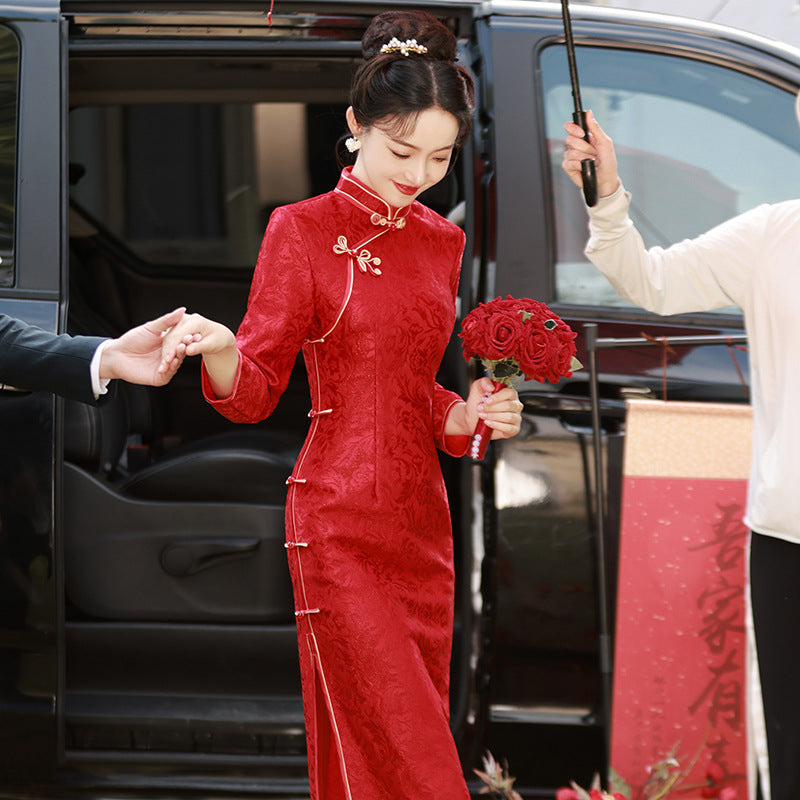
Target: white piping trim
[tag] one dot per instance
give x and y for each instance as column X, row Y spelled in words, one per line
column 361, row 187
column 314, row 652
column 357, row 202
column 358, row 247
column 349, row 291
column 345, row 303
column 444, row 433
column 331, row 715
column 372, row 238
column 298, row 467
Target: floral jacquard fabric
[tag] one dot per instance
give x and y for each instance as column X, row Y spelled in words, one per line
column 368, row 293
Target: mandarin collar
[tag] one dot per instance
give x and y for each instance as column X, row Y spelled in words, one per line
column 360, row 195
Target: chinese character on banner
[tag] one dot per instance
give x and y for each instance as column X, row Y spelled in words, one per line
column 680, row 645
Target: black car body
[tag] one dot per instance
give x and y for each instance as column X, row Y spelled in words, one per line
column 147, row 643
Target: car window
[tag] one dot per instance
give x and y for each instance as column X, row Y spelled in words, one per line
column 193, row 184
column 697, row 143
column 9, row 91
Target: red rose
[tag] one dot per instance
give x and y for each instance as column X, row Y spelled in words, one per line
column 504, row 329
column 566, row 794
column 548, row 347
column 490, row 331
column 473, row 332
column 523, row 332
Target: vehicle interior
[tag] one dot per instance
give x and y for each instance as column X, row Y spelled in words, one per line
column 180, row 631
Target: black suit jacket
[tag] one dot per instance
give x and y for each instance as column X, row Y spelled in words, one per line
column 33, row 359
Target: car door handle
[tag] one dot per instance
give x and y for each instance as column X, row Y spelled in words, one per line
column 12, row 390
column 190, row 556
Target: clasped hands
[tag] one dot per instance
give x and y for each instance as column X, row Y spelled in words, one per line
column 196, row 335
column 136, row 355
column 152, row 352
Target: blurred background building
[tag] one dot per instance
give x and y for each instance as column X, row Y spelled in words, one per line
column 779, row 19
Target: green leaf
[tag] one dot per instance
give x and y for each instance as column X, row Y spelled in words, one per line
column 505, row 369
column 617, row 783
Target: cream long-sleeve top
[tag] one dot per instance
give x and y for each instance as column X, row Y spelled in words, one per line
column 751, row 261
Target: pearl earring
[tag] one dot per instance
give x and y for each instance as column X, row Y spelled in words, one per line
column 352, row 144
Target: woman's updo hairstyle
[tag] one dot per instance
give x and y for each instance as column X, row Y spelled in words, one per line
column 393, row 89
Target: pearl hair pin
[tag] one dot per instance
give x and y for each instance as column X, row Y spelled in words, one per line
column 394, row 45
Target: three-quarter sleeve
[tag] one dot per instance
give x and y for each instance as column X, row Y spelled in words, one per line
column 280, row 314
column 444, row 401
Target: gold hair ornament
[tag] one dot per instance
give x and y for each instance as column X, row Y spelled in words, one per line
column 394, row 45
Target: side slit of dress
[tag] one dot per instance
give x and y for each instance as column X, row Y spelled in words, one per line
column 330, row 771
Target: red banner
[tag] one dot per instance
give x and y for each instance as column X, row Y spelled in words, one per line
column 680, row 645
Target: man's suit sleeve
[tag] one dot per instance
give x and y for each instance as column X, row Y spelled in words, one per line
column 33, row 359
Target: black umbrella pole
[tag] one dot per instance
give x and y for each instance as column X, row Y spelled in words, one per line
column 588, row 175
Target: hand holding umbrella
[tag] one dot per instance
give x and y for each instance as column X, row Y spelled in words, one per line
column 579, row 116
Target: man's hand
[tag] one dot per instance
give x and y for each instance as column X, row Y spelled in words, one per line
column 136, row 355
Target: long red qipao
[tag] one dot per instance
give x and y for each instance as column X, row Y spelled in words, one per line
column 368, row 292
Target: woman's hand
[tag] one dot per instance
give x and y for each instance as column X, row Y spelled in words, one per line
column 196, row 335
column 136, row 355
column 501, row 411
column 600, row 148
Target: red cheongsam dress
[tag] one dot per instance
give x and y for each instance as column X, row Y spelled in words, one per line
column 368, row 292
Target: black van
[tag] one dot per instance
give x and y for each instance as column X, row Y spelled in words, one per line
column 147, row 641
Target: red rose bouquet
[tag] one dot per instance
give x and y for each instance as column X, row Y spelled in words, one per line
column 516, row 337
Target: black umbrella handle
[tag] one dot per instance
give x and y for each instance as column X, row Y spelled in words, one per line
column 588, row 174
column 579, row 117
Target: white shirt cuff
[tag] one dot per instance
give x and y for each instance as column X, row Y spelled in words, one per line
column 99, row 385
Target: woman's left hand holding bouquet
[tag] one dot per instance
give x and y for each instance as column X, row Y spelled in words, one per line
column 500, row 410
column 196, row 335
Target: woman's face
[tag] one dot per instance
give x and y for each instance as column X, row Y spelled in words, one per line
column 401, row 165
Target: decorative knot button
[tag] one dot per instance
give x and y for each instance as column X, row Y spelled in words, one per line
column 365, row 259
column 378, row 219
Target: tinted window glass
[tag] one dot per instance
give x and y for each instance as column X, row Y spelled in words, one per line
column 9, row 74
column 696, row 144
column 193, row 184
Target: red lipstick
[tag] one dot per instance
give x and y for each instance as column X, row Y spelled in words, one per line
column 407, row 190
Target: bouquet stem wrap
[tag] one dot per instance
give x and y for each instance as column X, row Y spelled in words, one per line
column 482, row 434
